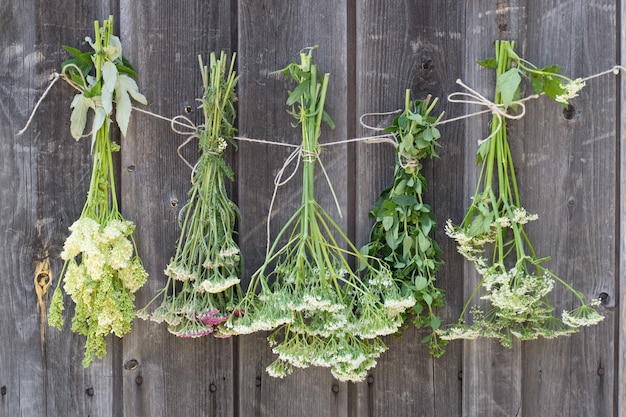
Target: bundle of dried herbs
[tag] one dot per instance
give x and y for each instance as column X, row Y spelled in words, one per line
column 203, row 275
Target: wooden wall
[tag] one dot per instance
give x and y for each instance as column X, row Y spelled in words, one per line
column 570, row 168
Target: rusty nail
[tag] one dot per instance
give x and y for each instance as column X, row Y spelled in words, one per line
column 335, row 388
column 89, row 391
column 139, row 380
column 600, row 371
column 370, row 379
column 212, row 388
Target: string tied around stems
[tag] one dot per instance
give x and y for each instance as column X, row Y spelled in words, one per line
column 472, row 96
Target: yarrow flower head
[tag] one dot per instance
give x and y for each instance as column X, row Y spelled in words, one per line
column 571, row 90
column 515, row 284
column 203, row 289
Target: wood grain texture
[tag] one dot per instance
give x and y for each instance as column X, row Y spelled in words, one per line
column 492, row 374
column 271, row 36
column 40, row 367
column 163, row 40
column 419, row 48
column 573, row 162
column 570, row 171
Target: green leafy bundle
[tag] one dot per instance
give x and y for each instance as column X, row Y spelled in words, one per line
column 321, row 312
column 203, row 276
column 401, row 235
column 516, row 285
column 101, row 272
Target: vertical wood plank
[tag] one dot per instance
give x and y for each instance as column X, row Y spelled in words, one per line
column 567, row 172
column 271, row 36
column 415, row 47
column 171, row 376
column 45, row 175
column 492, row 374
column 620, row 343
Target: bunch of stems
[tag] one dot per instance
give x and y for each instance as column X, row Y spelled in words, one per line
column 101, row 271
column 204, row 274
column 401, row 235
column 514, row 281
column 320, row 311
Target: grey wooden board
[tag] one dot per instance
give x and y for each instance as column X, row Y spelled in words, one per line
column 420, row 49
column 570, row 173
column 270, row 37
column 163, row 40
column 40, row 369
column 577, row 162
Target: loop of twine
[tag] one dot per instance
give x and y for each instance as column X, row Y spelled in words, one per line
column 498, row 110
column 469, row 97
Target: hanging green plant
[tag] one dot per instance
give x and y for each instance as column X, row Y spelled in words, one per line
column 102, row 270
column 515, row 284
column 203, row 275
column 321, row 312
column 401, row 235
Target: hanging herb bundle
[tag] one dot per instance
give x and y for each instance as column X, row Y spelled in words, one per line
column 203, row 276
column 102, row 271
column 515, row 284
column 401, row 234
column 320, row 311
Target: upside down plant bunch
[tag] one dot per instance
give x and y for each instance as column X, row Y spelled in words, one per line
column 102, row 270
column 401, row 235
column 203, row 276
column 320, row 311
column 515, row 284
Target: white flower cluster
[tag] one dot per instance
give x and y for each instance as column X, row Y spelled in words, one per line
column 571, row 90
column 515, row 292
column 103, row 251
column 217, row 286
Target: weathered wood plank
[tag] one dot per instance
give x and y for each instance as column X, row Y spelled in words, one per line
column 492, row 375
column 45, row 175
column 620, row 244
column 414, row 46
column 172, row 376
column 567, row 172
column 271, row 36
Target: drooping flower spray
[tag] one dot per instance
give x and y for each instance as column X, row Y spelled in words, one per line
column 320, row 311
column 102, row 270
column 202, row 288
column 514, row 281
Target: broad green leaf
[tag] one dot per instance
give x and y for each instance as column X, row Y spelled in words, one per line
column 420, row 283
column 507, row 84
column 435, row 322
column 406, row 246
column 428, row 299
column 405, row 200
column 387, row 222
column 488, row 63
column 424, row 242
column 552, row 87
column 537, row 82
column 80, row 106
